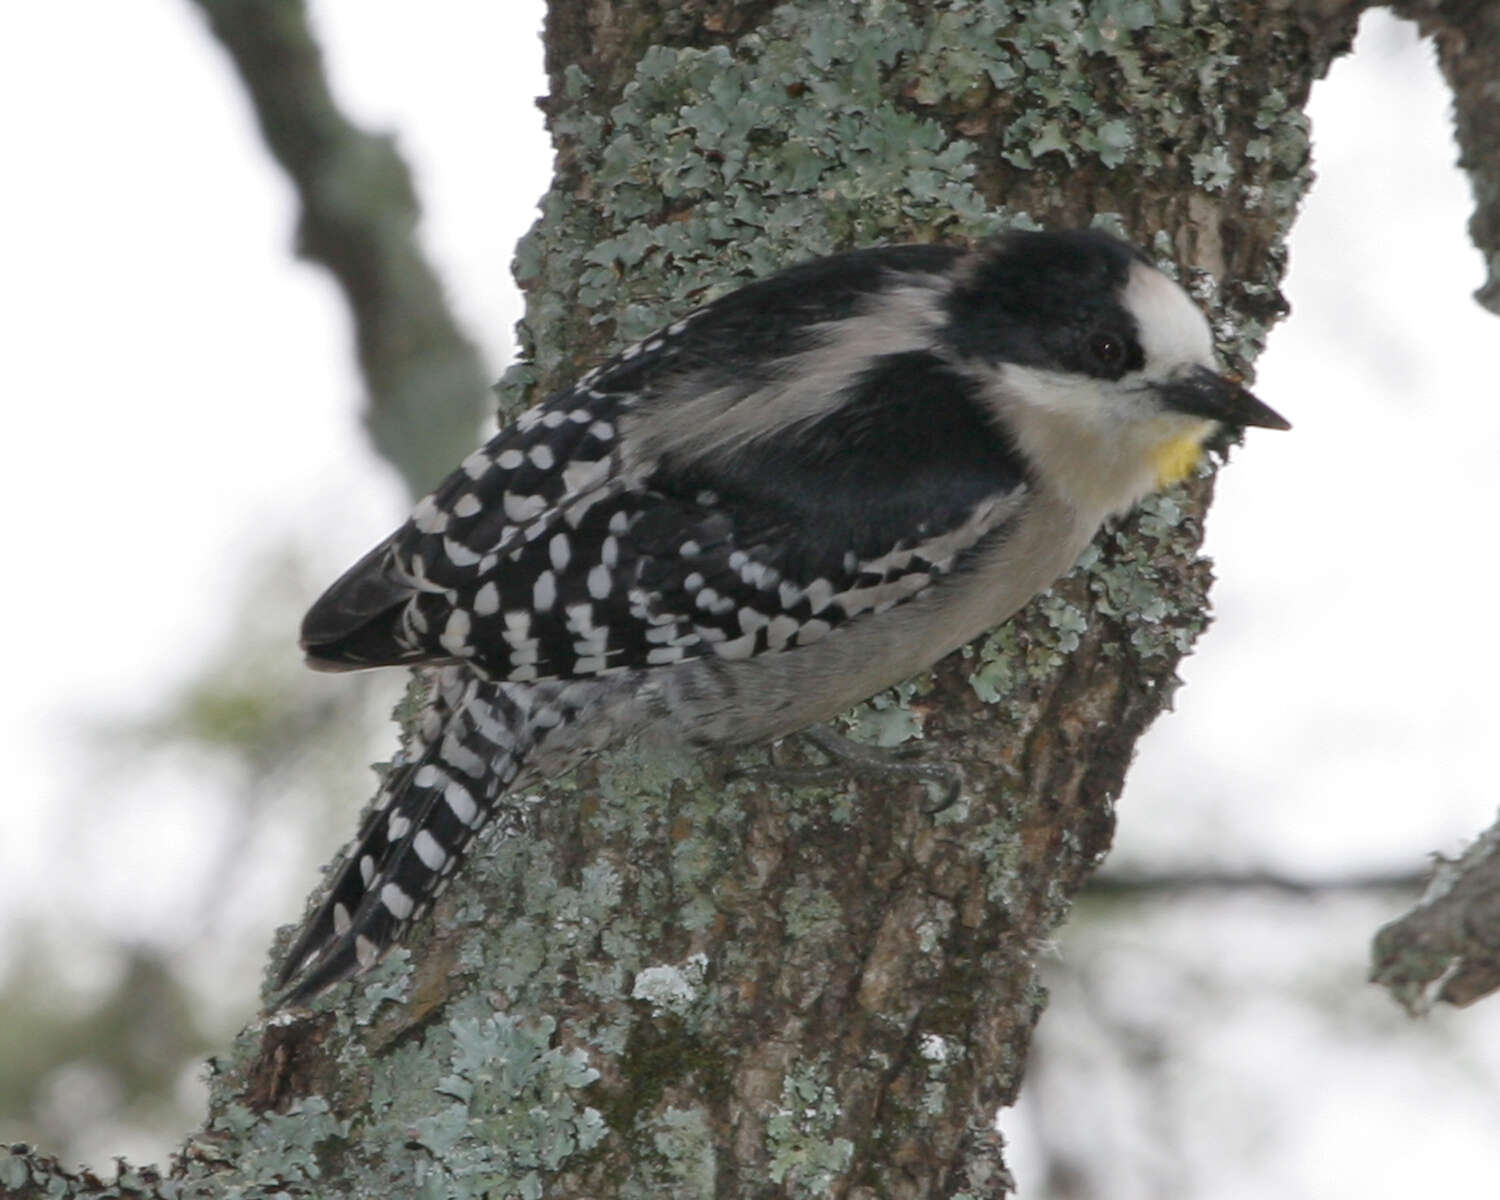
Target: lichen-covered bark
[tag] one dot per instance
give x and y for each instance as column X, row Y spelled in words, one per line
column 1447, row 948
column 682, row 983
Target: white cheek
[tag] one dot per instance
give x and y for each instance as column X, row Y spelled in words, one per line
column 1173, row 330
column 1087, row 405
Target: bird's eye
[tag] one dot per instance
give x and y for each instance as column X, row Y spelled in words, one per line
column 1107, row 350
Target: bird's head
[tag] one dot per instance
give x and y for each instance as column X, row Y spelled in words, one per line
column 1100, row 366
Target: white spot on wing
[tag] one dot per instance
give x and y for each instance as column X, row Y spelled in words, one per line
column 397, row 901
column 455, row 636
column 523, row 508
column 457, row 798
column 428, row 517
column 737, row 648
column 544, row 592
column 433, row 856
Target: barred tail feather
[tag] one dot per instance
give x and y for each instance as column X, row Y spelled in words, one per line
column 426, row 817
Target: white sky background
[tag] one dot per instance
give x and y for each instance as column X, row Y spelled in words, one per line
column 181, row 397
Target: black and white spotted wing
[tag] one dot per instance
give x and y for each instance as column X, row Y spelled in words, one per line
column 549, row 559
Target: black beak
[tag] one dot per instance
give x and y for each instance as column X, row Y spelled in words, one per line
column 1204, row 393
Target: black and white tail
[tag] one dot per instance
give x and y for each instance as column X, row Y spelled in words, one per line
column 473, row 740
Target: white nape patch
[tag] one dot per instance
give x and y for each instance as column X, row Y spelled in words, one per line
column 1173, row 330
column 433, row 856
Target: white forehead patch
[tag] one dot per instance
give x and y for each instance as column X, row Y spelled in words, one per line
column 1173, row 330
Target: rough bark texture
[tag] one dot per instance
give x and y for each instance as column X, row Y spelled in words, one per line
column 1447, row 948
column 679, row 983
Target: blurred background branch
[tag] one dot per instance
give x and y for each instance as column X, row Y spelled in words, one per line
column 426, row 381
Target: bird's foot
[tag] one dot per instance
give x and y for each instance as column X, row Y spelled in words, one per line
column 853, row 760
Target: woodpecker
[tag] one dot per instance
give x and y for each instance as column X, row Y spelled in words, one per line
column 796, row 496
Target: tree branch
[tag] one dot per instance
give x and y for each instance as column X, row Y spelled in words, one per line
column 1127, row 885
column 427, row 384
column 1447, row 948
column 1467, row 36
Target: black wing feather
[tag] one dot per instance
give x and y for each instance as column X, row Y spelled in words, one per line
column 545, row 557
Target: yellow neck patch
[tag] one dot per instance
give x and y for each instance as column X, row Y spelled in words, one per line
column 1177, row 458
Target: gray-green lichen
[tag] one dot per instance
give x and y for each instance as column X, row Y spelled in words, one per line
column 728, row 162
column 837, row 123
column 805, row 1157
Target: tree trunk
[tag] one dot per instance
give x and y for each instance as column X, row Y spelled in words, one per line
column 676, row 982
